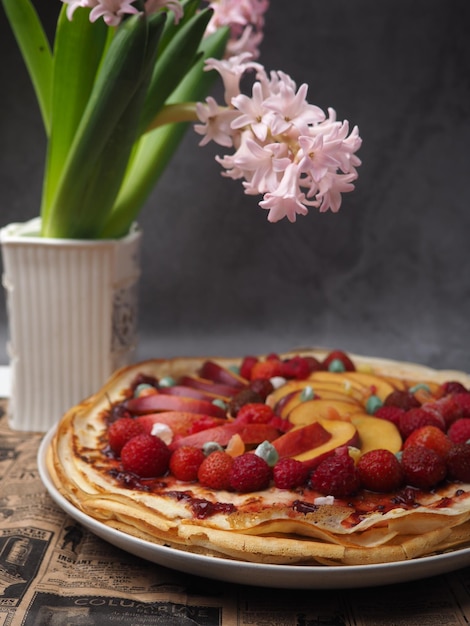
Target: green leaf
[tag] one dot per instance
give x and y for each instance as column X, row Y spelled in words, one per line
column 174, row 63
column 189, row 9
column 78, row 50
column 104, row 139
column 156, row 148
column 35, row 49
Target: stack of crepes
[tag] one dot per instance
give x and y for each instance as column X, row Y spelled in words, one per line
column 297, row 526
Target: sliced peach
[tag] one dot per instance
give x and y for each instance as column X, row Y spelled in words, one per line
column 315, row 410
column 209, row 386
column 250, row 434
column 299, row 440
column 398, row 383
column 256, row 433
column 191, row 392
column 219, row 374
column 319, row 388
column 374, row 383
column 323, row 395
column 336, row 380
column 375, row 433
column 342, row 434
column 166, row 402
column 180, row 423
column 290, row 387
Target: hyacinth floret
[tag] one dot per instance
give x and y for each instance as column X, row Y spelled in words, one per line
column 245, row 18
column 130, row 84
column 113, row 11
column 285, row 148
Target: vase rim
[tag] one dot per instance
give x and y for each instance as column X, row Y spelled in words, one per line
column 29, row 233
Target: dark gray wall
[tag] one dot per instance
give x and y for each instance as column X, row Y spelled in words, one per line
column 388, row 275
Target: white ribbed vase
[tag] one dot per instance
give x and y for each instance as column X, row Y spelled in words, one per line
column 72, row 313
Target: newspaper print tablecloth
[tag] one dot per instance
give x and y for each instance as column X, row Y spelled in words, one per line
column 53, row 572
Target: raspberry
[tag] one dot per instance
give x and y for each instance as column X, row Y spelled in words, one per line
column 262, row 386
column 121, row 431
column 342, row 357
column 297, row 367
column 403, row 399
column 389, row 413
column 145, row 455
column 314, row 364
column 244, row 396
column 416, row 418
column 453, row 386
column 458, row 462
column 247, row 365
column 290, row 473
column 215, row 469
column 459, row 432
column 336, row 476
column 423, row 467
column 380, row 470
column 266, row 369
column 185, row 463
column 463, row 400
column 249, row 472
column 255, row 413
column 430, row 437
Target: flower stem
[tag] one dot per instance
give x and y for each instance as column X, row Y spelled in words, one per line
column 172, row 113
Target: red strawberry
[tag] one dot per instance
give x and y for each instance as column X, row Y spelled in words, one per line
column 266, row 369
column 297, row 367
column 255, row 413
column 446, row 408
column 336, row 476
column 380, row 470
column 423, row 467
column 389, row 413
column 458, row 462
column 247, row 365
column 430, row 437
column 416, row 418
column 121, row 431
column 214, row 471
column 185, row 463
column 459, row 432
column 249, row 472
column 290, row 473
column 342, row 357
column 145, row 455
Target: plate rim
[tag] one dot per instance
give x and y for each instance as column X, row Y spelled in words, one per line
column 239, row 572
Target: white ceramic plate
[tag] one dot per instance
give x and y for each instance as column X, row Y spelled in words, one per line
column 241, row 572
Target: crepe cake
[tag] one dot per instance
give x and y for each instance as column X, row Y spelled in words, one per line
column 308, row 457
